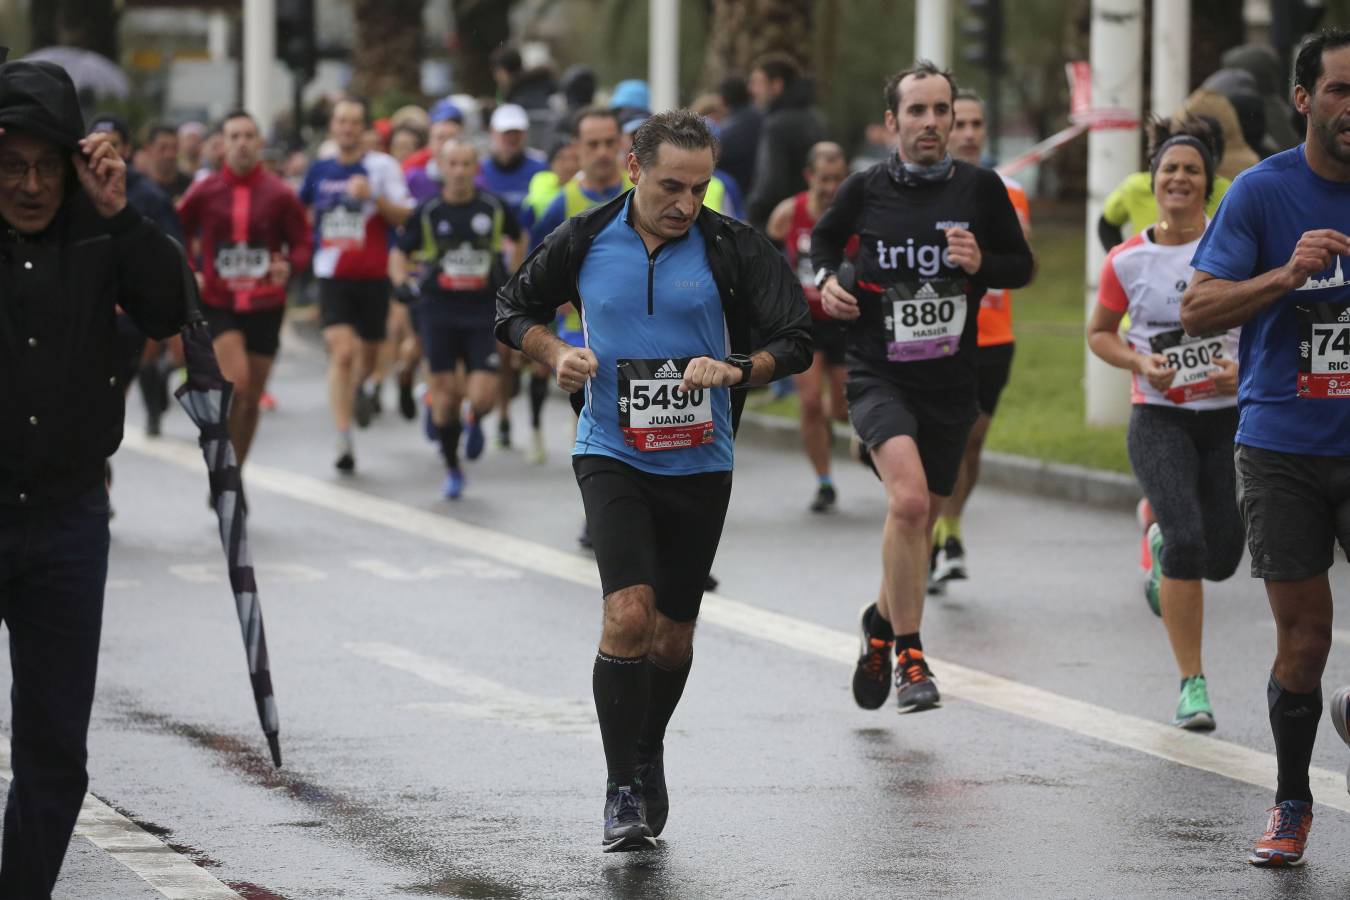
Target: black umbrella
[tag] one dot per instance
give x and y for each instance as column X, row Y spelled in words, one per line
column 205, row 396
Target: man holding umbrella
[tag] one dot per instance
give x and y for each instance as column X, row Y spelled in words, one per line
column 71, row 251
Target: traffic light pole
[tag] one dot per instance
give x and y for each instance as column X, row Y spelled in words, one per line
column 1117, row 58
column 260, row 53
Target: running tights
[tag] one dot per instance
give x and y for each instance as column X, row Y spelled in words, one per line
column 1184, row 462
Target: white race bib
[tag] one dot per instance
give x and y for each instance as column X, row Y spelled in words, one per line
column 927, row 325
column 655, row 413
column 342, row 228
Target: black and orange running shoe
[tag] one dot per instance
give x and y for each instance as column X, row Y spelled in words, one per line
column 872, row 674
column 1286, row 835
column 914, row 687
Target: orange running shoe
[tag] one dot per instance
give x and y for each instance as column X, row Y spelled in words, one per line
column 267, row 402
column 1286, row 835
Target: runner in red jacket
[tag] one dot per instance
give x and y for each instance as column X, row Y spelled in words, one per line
column 247, row 233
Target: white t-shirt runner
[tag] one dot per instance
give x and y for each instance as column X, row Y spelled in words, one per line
column 1147, row 280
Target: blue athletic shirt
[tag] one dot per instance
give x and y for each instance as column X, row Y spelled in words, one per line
column 680, row 317
column 510, row 184
column 1263, row 215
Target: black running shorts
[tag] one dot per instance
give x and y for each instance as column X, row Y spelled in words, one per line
column 939, row 423
column 446, row 344
column 830, row 338
column 658, row 530
column 262, row 329
column 993, row 365
column 1296, row 508
column 364, row 305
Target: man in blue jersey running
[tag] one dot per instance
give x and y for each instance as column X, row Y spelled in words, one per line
column 1273, row 261
column 670, row 294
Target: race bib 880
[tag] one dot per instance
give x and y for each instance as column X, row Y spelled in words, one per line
column 925, row 323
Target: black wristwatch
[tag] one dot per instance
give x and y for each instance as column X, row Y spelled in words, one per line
column 744, row 364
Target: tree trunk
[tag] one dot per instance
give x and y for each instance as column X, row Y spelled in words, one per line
column 89, row 24
column 741, row 31
column 481, row 26
column 388, row 55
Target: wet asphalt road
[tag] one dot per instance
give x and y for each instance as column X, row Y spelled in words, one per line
column 440, row 739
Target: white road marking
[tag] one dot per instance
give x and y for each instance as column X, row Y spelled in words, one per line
column 485, row 699
column 459, row 567
column 164, row 869
column 1000, row 694
column 267, row 573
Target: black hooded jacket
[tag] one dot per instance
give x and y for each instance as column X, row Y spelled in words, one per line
column 789, row 130
column 61, row 400
column 762, row 300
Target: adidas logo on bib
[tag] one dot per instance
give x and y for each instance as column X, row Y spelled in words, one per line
column 926, row 292
column 1344, row 316
column 668, row 370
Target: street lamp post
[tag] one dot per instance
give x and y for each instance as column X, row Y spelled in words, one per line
column 260, row 53
column 1117, row 57
column 1171, row 56
column 933, row 32
column 663, row 54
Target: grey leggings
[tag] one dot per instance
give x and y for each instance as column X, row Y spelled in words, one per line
column 1184, row 462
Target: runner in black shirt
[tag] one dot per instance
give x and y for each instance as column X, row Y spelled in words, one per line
column 456, row 237
column 935, row 234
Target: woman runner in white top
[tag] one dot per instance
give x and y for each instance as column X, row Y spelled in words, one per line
column 1185, row 406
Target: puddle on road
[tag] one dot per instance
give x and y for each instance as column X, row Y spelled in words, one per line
column 354, row 821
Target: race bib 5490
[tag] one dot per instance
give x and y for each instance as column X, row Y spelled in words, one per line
column 655, row 413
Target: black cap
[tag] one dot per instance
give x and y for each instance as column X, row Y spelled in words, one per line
column 113, row 123
column 39, row 98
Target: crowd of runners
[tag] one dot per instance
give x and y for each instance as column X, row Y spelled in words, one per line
column 651, row 267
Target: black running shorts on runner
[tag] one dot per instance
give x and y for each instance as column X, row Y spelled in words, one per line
column 446, row 344
column 830, row 338
column 660, row 530
column 993, row 365
column 364, row 305
column 262, row 329
column 1296, row 507
column 940, row 423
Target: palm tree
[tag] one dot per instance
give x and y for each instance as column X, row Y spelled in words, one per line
column 388, row 54
column 741, row 31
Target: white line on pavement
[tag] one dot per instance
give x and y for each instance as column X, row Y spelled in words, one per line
column 172, row 874
column 485, row 699
column 1001, row 694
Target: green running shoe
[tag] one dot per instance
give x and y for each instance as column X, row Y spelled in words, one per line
column 1153, row 583
column 1193, row 710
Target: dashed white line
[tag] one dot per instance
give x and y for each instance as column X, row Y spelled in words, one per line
column 1001, row 694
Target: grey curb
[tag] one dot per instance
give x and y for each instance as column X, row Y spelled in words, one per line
column 1059, row 481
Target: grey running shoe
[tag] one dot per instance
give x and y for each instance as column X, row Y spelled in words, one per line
column 914, row 687
column 626, row 820
column 1340, row 717
column 652, row 774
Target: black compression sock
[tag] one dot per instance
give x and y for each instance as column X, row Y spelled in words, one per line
column 1293, row 721
column 877, row 627
column 908, row 642
column 538, row 393
column 449, row 435
column 621, row 688
column 667, row 685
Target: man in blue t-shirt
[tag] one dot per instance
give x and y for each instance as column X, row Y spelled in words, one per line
column 680, row 304
column 1274, row 262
